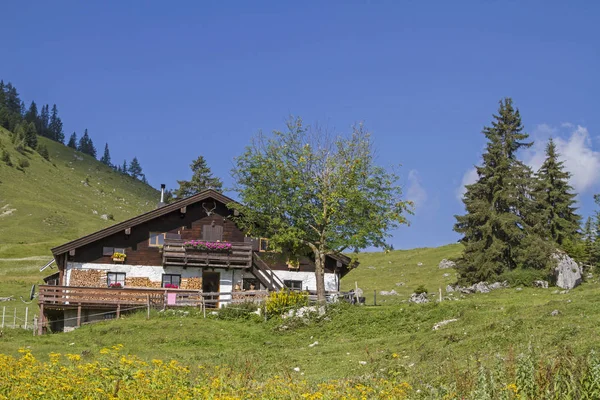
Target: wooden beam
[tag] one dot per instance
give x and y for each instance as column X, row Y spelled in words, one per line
column 128, row 231
column 72, row 252
column 183, row 209
column 42, row 320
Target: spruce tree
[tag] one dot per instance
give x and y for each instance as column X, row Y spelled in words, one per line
column 31, row 139
column 124, row 169
column 86, row 145
column 135, row 169
column 497, row 228
column 202, row 179
column 106, row 156
column 55, row 127
column 73, row 141
column 32, row 115
column 555, row 200
column 44, row 121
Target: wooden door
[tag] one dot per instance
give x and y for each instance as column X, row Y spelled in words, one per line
column 211, row 284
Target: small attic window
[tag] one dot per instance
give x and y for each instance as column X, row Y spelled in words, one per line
column 108, row 251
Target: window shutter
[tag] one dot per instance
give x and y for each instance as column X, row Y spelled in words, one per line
column 212, row 233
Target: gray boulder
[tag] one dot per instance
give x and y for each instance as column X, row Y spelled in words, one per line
column 481, row 287
column 390, row 293
column 449, row 289
column 567, row 272
column 444, row 264
column 541, row 284
column 419, row 298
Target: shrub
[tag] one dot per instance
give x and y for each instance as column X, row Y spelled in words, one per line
column 43, row 151
column 6, row 158
column 421, row 289
column 524, row 276
column 242, row 310
column 284, row 300
column 23, row 163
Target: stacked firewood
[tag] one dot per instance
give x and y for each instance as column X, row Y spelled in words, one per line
column 141, row 282
column 191, row 283
column 87, row 278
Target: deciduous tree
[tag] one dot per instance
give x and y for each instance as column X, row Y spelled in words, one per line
column 314, row 194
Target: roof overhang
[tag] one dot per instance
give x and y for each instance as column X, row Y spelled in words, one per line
column 150, row 215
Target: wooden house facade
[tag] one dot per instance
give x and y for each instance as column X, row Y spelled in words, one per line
column 161, row 258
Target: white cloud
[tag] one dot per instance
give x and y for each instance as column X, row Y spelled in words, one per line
column 468, row 178
column 575, row 149
column 415, row 191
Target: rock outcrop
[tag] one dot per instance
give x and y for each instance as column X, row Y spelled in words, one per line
column 567, row 272
column 444, row 264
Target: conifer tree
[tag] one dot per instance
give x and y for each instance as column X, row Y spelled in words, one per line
column 86, row 145
column 31, row 139
column 202, row 179
column 44, row 121
column 124, row 169
column 135, row 169
column 555, row 200
column 498, row 229
column 106, row 156
column 73, row 141
column 32, row 115
column 55, row 127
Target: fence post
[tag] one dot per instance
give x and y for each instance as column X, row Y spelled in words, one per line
column 374, row 297
column 26, row 316
column 15, row 319
column 35, row 324
column 3, row 315
column 148, row 303
column 440, row 294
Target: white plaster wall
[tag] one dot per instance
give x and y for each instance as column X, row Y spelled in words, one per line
column 154, row 273
column 309, row 279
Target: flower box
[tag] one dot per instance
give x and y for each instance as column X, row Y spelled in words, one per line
column 118, row 257
column 115, row 285
column 211, row 247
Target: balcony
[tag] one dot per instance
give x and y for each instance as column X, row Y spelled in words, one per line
column 177, row 255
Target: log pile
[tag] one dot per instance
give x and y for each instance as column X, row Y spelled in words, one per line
column 87, row 278
column 141, row 282
column 191, row 283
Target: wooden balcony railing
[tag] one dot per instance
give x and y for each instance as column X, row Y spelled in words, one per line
column 176, row 254
column 76, row 296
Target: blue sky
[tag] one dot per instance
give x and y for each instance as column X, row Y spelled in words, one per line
column 168, row 81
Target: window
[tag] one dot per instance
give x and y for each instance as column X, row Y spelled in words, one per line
column 250, row 284
column 114, row 279
column 263, row 244
column 172, row 280
column 293, row 285
column 108, row 251
column 119, row 250
column 156, row 239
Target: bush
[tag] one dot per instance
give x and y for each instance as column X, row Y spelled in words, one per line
column 242, row 310
column 524, row 276
column 421, row 289
column 43, row 151
column 6, row 158
column 23, row 163
column 284, row 300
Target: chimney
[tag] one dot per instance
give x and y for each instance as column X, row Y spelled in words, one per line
column 162, row 196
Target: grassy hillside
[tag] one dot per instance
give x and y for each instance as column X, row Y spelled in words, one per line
column 402, row 271
column 393, row 338
column 49, row 203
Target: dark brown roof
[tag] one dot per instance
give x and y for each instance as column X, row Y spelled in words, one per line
column 140, row 219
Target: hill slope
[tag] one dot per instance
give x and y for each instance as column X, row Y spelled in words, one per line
column 50, row 202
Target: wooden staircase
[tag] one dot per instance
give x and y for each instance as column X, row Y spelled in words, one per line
column 265, row 274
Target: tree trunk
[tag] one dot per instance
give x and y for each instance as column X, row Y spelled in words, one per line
column 320, row 275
